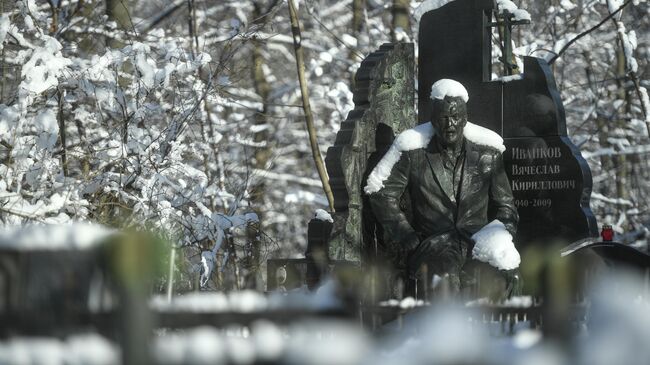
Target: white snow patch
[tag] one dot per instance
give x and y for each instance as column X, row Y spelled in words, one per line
column 645, row 100
column 54, row 237
column 567, row 5
column 410, row 302
column 506, row 79
column 514, row 302
column 483, row 137
column 507, row 5
column 629, row 41
column 349, row 40
column 494, row 246
column 201, row 345
column 305, row 197
column 524, row 301
column 323, row 215
column 268, row 340
column 4, row 27
column 44, row 66
column 526, row 339
column 448, row 87
column 90, row 349
column 427, row 6
column 247, row 301
column 408, row 140
column 419, row 137
column 613, row 5
column 242, row 301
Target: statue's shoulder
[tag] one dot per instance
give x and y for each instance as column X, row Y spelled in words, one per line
column 415, row 138
column 484, row 150
column 484, row 140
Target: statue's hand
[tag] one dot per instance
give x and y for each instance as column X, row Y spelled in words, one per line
column 410, row 243
column 407, row 248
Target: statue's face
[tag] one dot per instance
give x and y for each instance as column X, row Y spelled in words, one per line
column 449, row 119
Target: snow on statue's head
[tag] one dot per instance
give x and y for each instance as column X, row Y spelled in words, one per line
column 449, row 115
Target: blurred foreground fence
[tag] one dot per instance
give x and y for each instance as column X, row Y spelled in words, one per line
column 105, row 289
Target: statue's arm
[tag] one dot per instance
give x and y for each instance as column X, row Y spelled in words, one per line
column 501, row 196
column 385, row 203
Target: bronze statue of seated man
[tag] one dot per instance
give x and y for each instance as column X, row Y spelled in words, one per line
column 451, row 180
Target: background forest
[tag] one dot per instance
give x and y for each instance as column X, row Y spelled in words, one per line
column 186, row 117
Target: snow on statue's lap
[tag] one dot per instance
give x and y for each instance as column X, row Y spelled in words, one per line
column 494, row 246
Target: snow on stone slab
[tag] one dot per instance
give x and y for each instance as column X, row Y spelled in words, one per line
column 510, row 78
column 519, row 14
column 323, row 215
column 427, row 6
column 77, row 236
column 448, row 87
column 494, row 246
column 419, row 137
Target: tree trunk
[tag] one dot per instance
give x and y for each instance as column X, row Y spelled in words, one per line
column 400, row 18
column 117, row 11
column 620, row 160
column 260, row 159
column 358, row 7
column 309, row 117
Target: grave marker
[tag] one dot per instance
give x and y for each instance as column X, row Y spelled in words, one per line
column 550, row 180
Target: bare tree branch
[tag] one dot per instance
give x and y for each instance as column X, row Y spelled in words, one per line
column 309, row 117
column 566, row 46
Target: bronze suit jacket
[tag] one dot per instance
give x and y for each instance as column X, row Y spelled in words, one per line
column 435, row 210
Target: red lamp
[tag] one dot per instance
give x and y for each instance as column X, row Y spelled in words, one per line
column 607, row 233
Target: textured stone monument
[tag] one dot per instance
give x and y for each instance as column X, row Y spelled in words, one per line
column 384, row 106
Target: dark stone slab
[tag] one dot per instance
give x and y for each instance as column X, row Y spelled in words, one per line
column 454, row 43
column 548, row 180
column 551, row 181
column 617, row 255
column 318, row 235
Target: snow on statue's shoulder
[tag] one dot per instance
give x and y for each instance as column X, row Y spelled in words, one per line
column 414, row 138
column 419, row 137
column 408, row 140
column 494, row 246
column 483, row 137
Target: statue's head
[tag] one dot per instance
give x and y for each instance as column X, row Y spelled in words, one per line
column 449, row 115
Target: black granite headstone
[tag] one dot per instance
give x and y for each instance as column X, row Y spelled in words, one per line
column 550, row 180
